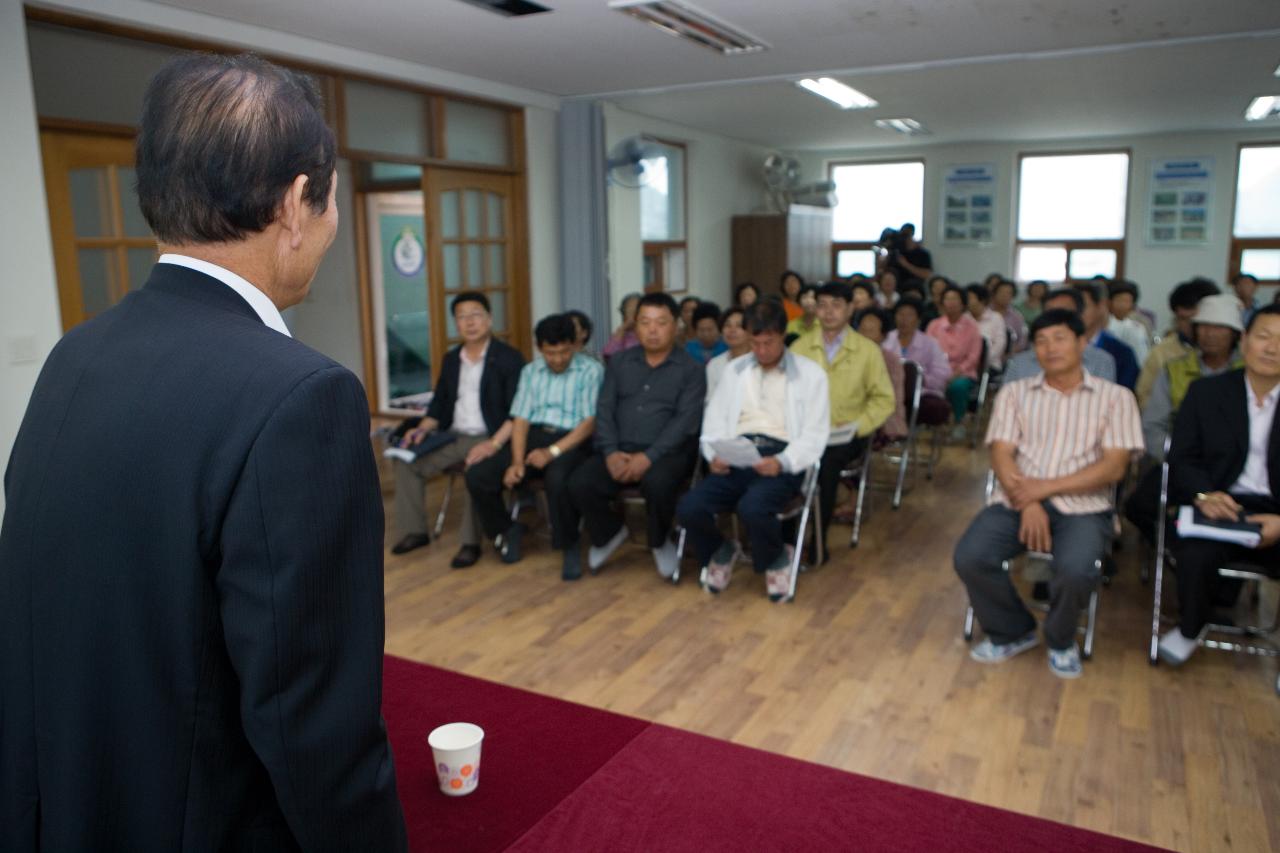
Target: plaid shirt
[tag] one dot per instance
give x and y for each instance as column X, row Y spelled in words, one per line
column 561, row 400
column 1056, row 434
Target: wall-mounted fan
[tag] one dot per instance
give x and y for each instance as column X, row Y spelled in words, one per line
column 782, row 179
column 626, row 161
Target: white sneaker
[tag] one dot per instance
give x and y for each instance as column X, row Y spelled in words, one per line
column 666, row 560
column 1175, row 649
column 597, row 557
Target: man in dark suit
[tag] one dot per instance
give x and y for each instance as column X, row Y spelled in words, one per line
column 468, row 409
column 191, row 611
column 1225, row 459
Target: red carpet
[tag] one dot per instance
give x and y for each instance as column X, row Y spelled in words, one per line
column 564, row 777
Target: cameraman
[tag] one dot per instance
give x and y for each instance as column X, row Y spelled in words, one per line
column 904, row 255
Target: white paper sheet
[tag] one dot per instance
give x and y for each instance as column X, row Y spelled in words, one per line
column 738, row 452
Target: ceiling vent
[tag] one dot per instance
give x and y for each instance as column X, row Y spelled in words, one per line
column 509, row 8
column 702, row 28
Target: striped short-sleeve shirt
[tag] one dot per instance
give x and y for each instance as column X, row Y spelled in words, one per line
column 561, row 400
column 1057, row 434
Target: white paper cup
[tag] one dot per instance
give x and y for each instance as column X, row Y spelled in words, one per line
column 455, row 747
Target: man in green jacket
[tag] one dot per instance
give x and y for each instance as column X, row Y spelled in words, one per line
column 861, row 394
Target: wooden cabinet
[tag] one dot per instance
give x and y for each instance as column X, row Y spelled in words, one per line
column 766, row 244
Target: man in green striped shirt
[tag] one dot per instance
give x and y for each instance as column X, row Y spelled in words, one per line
column 553, row 417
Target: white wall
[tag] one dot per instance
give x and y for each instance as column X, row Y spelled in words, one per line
column 1157, row 270
column 30, row 322
column 724, row 180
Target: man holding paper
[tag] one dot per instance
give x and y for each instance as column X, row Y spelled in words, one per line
column 861, row 395
column 1225, row 461
column 778, row 401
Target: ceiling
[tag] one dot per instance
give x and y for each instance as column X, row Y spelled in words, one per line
column 968, row 69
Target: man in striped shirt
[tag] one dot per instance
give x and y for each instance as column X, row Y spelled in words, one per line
column 1059, row 441
column 553, row 415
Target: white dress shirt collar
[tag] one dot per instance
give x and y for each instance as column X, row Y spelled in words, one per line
column 258, row 301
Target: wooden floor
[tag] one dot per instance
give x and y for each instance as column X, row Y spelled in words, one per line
column 867, row 671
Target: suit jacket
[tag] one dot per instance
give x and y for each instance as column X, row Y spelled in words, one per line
column 1211, row 439
column 1127, row 367
column 191, row 610
column 498, row 380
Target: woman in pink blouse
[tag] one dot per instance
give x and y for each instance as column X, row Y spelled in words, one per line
column 959, row 336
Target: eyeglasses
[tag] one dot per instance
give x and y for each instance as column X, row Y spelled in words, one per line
column 474, row 315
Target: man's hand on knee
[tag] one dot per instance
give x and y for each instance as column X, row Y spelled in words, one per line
column 1033, row 532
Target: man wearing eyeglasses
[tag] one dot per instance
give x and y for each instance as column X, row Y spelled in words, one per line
column 467, row 416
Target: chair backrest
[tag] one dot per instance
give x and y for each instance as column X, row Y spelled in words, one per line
column 912, row 388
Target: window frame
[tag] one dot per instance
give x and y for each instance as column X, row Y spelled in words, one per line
column 1238, row 245
column 1074, row 244
column 864, row 245
column 661, row 250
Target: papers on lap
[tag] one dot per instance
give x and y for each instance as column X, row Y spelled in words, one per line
column 1192, row 524
column 737, row 452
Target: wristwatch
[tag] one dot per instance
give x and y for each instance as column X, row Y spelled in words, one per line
column 554, row 451
column 1201, row 497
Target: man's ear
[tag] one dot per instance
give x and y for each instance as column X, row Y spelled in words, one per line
column 291, row 210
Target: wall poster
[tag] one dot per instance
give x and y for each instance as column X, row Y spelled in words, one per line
column 1179, row 199
column 968, row 204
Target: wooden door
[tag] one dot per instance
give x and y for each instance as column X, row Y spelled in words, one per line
column 102, row 246
column 472, row 245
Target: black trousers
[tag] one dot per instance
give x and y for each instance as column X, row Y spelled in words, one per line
column 834, row 460
column 1199, row 560
column 484, row 482
column 592, row 490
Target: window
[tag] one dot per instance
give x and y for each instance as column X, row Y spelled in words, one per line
column 1072, row 210
column 1255, row 234
column 871, row 197
column 662, row 217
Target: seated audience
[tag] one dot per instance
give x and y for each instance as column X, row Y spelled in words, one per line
column 779, row 401
column 790, row 285
column 874, row 324
column 1125, row 322
column 991, row 324
column 932, row 308
column 858, row 382
column 472, row 398
column 705, row 343
column 1098, row 362
column 1225, row 460
column 646, row 435
column 808, row 319
column 1217, row 329
column 887, row 288
column 624, row 337
column 1052, row 494
column 583, row 327
column 1033, row 302
column 745, row 295
column 961, row 339
column 738, row 341
column 1095, row 315
column 864, row 295
column 685, row 331
column 1002, row 296
column 911, row 344
column 1178, row 341
column 553, row 415
column 1246, row 289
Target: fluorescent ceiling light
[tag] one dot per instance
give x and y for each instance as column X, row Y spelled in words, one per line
column 1262, row 107
column 692, row 24
column 845, row 97
column 909, row 126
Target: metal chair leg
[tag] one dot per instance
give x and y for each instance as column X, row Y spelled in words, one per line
column 863, row 476
column 968, row 623
column 1090, row 623
column 904, row 462
column 680, row 540
column 444, row 505
column 1156, row 590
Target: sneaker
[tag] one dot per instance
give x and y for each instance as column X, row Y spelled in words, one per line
column 597, row 557
column 1175, row 649
column 666, row 559
column 510, row 547
column 718, row 572
column 988, row 651
column 1065, row 663
column 777, row 578
column 571, row 569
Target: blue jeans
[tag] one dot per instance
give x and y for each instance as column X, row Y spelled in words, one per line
column 757, row 500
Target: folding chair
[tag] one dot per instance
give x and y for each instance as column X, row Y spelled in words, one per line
column 1091, row 610
column 902, row 455
column 859, row 474
column 453, row 472
column 632, row 496
column 804, row 506
column 1259, row 640
column 978, row 398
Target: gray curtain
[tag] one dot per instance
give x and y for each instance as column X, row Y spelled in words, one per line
column 584, row 280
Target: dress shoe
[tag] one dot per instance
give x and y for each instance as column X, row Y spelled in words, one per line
column 466, row 557
column 410, row 542
column 571, row 569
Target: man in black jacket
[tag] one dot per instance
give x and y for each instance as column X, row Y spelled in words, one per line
column 1225, row 459
column 191, row 611
column 468, row 410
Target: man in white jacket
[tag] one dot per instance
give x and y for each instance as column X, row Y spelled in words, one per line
column 778, row 402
